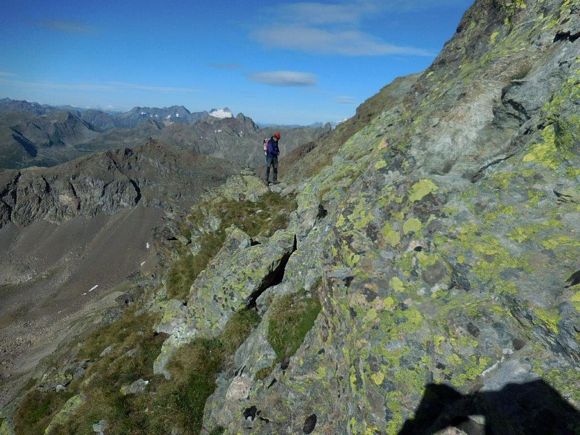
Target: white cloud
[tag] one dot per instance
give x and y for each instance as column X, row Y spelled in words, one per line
column 345, row 100
column 284, row 78
column 66, row 26
column 335, row 28
column 226, row 66
column 354, row 10
column 100, row 87
column 322, row 41
column 326, row 13
column 141, row 87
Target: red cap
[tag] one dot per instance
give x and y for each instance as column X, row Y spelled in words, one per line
column 277, row 135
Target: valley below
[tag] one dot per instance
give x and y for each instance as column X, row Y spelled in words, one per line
column 57, row 278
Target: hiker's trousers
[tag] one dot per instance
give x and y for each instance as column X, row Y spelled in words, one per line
column 271, row 161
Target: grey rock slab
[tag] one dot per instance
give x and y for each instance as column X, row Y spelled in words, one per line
column 137, row 387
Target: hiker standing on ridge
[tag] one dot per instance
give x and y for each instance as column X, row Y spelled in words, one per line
column 272, row 152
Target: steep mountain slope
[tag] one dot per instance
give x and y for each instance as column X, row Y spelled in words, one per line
column 43, row 139
column 151, row 175
column 426, row 278
column 8, row 105
column 296, row 166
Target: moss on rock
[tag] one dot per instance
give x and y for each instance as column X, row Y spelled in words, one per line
column 291, row 317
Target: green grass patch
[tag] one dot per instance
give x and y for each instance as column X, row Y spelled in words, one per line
column 261, row 218
column 37, row 410
column 188, row 266
column 263, row 373
column 238, row 328
column 180, row 402
column 129, row 330
column 292, row 316
column 134, row 348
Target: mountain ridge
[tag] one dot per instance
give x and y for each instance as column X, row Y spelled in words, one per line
column 46, row 136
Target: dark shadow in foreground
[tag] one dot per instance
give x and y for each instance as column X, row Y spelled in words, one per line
column 522, row 409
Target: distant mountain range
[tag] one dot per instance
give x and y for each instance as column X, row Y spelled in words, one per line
column 101, row 120
column 32, row 134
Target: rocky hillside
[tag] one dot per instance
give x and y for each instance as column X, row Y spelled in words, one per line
column 302, row 163
column 151, row 175
column 237, row 139
column 75, row 236
column 426, row 276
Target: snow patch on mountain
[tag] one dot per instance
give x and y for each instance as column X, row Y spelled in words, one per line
column 221, row 113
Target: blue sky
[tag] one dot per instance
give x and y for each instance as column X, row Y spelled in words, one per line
column 275, row 61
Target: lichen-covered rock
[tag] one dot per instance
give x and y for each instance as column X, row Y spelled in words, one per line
column 446, row 238
column 137, row 387
column 440, row 244
column 243, row 187
column 67, row 411
column 100, row 427
column 5, row 428
column 233, row 279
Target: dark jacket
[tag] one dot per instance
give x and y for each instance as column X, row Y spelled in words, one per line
column 272, row 148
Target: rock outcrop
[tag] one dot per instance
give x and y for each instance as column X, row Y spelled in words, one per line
column 151, row 175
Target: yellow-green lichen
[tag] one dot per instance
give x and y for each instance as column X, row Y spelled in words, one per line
column 501, row 211
column 473, row 368
column 397, row 284
column 502, row 180
column 575, row 299
column 560, row 241
column 360, row 216
column 378, row 378
column 548, row 317
column 391, row 236
column 388, row 303
column 394, row 401
column 414, row 318
column 370, row 316
column 427, row 260
column 380, row 165
column 545, row 153
column 421, row 189
column 522, row 234
column 412, row 225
